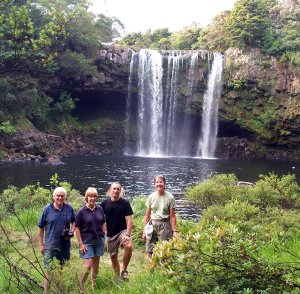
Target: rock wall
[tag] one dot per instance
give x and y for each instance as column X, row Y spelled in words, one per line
column 262, row 96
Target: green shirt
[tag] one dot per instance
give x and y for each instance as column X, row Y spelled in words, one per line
column 160, row 205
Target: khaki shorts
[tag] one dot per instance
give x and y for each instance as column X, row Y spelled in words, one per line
column 113, row 243
column 162, row 230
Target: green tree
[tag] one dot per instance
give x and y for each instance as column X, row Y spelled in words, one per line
column 248, row 23
column 285, row 30
column 186, row 38
column 75, row 65
column 16, row 33
column 132, row 40
column 214, row 36
column 109, row 28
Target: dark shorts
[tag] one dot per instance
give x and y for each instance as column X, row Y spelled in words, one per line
column 162, row 230
column 61, row 255
column 94, row 248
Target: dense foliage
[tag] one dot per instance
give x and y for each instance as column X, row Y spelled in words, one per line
column 41, row 39
column 271, row 25
column 247, row 240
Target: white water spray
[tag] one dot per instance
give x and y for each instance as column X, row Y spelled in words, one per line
column 207, row 145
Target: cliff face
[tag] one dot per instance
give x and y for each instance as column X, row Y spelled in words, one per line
column 259, row 112
column 262, row 96
column 113, row 71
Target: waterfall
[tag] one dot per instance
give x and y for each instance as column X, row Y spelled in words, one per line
column 212, row 95
column 129, row 114
column 173, row 74
column 165, row 83
column 184, row 148
column 150, row 114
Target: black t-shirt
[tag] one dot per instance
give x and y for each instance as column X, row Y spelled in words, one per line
column 115, row 212
column 90, row 223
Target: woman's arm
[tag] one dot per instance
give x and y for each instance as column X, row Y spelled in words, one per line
column 72, row 228
column 82, row 247
column 104, row 229
column 173, row 221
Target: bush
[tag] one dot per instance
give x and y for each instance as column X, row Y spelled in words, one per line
column 247, row 240
column 271, row 190
column 219, row 189
column 241, row 214
column 7, row 128
column 139, row 210
column 221, row 258
column 16, row 200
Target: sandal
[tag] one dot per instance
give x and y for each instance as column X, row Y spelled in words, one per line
column 124, row 275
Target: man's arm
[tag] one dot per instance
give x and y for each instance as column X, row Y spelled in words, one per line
column 41, row 240
column 129, row 224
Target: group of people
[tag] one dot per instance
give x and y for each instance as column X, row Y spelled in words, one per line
column 93, row 223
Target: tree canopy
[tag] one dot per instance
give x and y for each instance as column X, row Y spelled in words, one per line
column 42, row 38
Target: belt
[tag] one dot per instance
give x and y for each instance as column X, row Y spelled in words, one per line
column 162, row 220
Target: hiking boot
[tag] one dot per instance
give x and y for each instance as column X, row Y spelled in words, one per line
column 124, row 275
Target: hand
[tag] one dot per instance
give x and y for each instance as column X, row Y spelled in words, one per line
column 42, row 248
column 83, row 249
column 175, row 234
column 144, row 236
column 126, row 240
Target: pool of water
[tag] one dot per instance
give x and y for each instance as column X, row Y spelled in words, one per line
column 136, row 173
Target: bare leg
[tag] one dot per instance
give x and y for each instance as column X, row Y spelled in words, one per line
column 95, row 269
column 127, row 255
column 86, row 270
column 115, row 263
column 149, row 256
column 47, row 283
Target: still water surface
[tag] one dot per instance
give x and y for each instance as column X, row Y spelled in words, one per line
column 136, row 173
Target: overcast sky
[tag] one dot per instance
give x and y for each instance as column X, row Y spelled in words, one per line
column 141, row 15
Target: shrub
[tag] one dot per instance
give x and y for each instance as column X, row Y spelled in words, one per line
column 7, row 128
column 219, row 189
column 16, row 200
column 222, row 258
column 271, row 190
column 246, row 241
column 139, row 209
column 241, row 214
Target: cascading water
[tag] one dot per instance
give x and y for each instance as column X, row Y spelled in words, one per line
column 186, row 134
column 207, row 145
column 164, row 102
column 150, row 120
column 129, row 114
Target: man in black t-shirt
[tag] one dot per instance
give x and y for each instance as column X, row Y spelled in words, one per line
column 118, row 215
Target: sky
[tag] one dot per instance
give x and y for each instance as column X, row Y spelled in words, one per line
column 142, row 15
